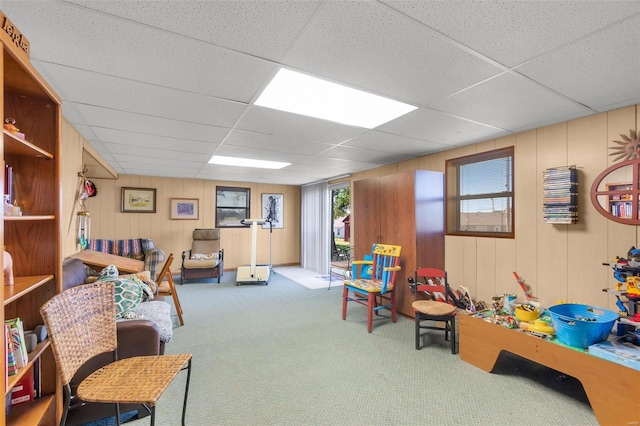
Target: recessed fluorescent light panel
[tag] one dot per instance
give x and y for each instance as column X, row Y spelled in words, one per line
column 302, row 94
column 247, row 162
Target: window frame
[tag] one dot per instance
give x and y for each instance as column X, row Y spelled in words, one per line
column 453, row 199
column 242, row 208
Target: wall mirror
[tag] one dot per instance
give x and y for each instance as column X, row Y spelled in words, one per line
column 615, row 192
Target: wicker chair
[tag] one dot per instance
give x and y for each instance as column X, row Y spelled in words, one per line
column 81, row 323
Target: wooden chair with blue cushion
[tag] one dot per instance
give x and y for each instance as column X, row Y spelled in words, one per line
column 377, row 287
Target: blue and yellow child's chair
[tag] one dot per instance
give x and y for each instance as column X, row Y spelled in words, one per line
column 378, row 287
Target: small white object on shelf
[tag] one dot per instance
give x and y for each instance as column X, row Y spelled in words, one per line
column 8, row 268
column 11, row 210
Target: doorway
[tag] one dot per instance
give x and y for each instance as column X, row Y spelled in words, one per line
column 341, row 245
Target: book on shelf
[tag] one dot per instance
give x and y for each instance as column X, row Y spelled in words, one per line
column 11, row 367
column 24, row 389
column 19, row 345
column 8, row 184
column 623, row 210
column 37, row 374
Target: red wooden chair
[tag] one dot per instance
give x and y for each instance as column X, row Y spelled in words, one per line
column 433, row 303
column 378, row 288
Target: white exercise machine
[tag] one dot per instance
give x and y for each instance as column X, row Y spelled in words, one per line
column 253, row 274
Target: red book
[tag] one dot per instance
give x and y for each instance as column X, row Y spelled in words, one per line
column 24, row 390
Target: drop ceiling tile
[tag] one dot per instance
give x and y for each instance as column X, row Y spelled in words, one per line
column 362, row 154
column 70, row 114
column 510, row 103
column 97, row 42
column 315, row 166
column 598, row 70
column 367, row 46
column 257, row 154
column 104, row 117
column 393, row 143
column 262, row 28
column 332, row 166
column 524, row 29
column 274, row 143
column 86, row 132
column 93, row 88
column 440, row 128
column 294, row 126
column 285, row 181
column 119, row 137
column 160, row 156
column 288, row 177
column 239, row 174
column 152, row 170
column 133, row 160
column 102, row 149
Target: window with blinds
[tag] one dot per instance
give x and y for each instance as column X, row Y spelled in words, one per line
column 479, row 194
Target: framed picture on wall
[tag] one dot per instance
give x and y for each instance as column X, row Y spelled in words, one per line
column 138, row 200
column 184, row 208
column 272, row 210
column 232, row 206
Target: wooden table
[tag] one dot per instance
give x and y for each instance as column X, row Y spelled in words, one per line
column 98, row 260
column 610, row 387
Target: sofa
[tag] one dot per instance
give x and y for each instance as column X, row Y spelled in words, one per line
column 136, row 337
column 135, row 248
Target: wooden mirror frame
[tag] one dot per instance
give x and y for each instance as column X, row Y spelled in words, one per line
column 633, row 191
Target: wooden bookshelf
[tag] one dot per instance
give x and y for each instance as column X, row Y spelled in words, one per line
column 34, row 238
column 39, row 412
column 22, row 286
column 620, row 200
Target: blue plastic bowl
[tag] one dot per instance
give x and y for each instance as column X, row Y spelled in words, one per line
column 580, row 325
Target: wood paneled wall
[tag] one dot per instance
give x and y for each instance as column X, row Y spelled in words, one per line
column 559, row 262
column 174, row 236
column 71, row 164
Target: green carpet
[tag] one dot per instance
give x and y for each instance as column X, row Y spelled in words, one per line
column 282, row 355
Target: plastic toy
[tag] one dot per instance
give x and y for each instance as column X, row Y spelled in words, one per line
column 527, row 292
column 633, row 254
column 9, row 124
column 633, row 284
column 626, row 272
column 541, row 326
column 622, row 310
